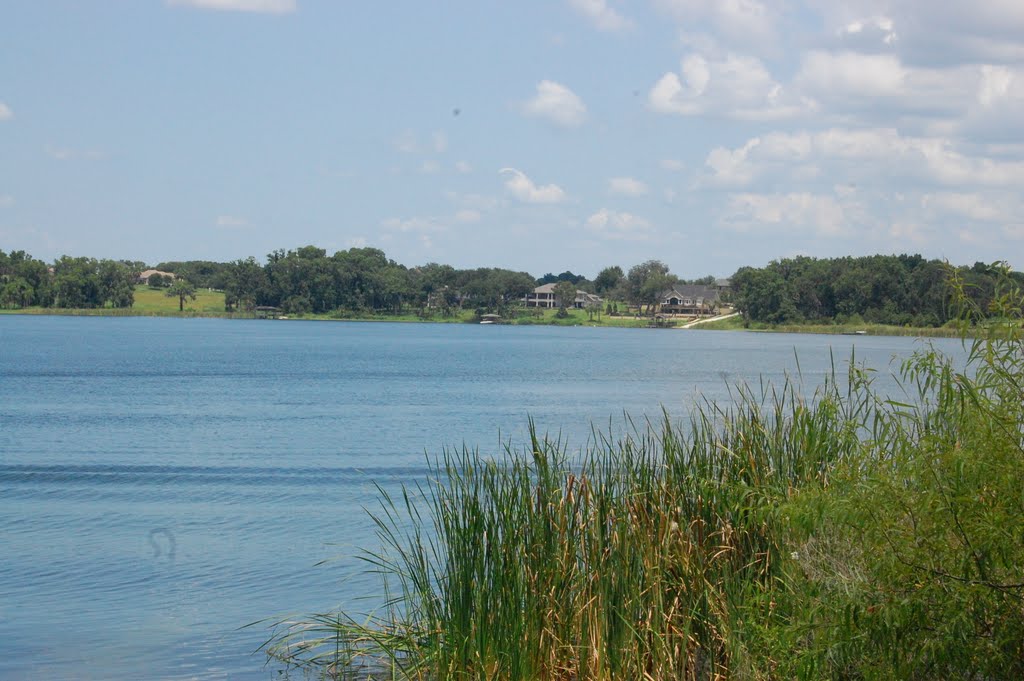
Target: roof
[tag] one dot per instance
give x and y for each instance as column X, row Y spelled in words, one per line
column 146, row 274
column 691, row 291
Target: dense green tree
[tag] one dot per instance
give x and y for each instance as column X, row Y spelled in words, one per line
column 565, row 294
column 608, row 279
column 76, row 284
column 16, row 293
column 646, row 282
column 116, row 283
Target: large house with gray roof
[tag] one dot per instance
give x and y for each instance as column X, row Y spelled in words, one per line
column 689, row 299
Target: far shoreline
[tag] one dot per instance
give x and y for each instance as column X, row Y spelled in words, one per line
column 733, row 324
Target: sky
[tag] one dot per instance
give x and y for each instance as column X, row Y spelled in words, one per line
column 542, row 136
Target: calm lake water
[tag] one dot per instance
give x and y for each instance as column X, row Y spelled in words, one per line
column 164, row 482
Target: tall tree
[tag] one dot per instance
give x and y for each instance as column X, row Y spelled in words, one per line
column 181, row 288
column 646, row 281
column 565, row 294
column 608, row 278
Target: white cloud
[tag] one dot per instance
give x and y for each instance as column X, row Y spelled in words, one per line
column 730, row 166
column 796, row 211
column 463, row 167
column 736, row 86
column 615, row 225
column 868, row 155
column 749, row 24
column 929, row 32
column 989, row 207
column 867, row 75
column 524, row 189
column 603, row 17
column 556, row 103
column 230, row 222
column 627, row 186
column 430, row 167
column 672, row 165
column 259, row 6
column 5, row 112
column 6, row 200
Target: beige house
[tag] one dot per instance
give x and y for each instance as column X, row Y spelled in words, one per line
column 544, row 296
column 146, row 274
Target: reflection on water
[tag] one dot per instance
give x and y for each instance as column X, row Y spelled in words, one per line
column 165, row 482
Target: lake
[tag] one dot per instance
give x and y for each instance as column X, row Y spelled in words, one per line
column 164, row 482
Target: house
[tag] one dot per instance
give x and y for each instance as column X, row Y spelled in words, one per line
column 544, row 296
column 585, row 300
column 689, row 299
column 146, row 274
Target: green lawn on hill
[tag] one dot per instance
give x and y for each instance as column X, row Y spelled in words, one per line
column 156, row 300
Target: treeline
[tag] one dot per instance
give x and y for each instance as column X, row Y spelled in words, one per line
column 68, row 283
column 880, row 289
column 360, row 280
column 308, row 280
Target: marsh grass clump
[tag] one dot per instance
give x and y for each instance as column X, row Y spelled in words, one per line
column 843, row 535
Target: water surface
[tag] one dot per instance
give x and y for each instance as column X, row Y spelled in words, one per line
column 164, row 482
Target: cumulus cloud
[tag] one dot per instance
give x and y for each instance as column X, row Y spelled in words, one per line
column 867, row 154
column 796, row 211
column 556, row 103
column 618, row 225
column 463, row 167
column 603, row 17
column 5, row 112
column 973, row 206
column 626, row 186
column 749, row 23
column 931, row 33
column 736, row 86
column 524, row 189
column 730, row 166
column 869, row 75
column 258, row 6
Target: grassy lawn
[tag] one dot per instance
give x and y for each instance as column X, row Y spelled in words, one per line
column 155, row 300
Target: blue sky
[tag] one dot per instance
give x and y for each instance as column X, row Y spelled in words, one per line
column 549, row 135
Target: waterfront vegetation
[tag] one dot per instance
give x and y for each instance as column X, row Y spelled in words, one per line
column 884, row 294
column 845, row 534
